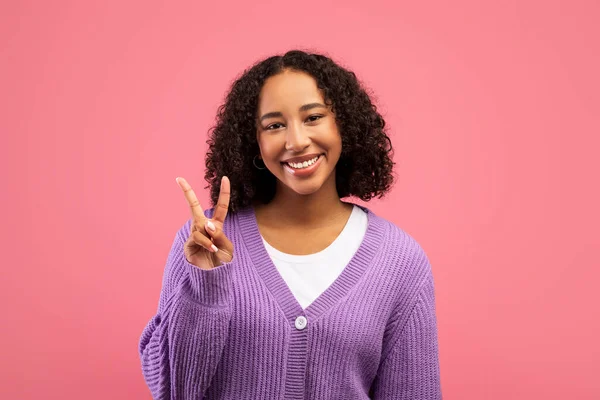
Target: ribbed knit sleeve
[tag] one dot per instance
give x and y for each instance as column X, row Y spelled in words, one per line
column 182, row 344
column 410, row 370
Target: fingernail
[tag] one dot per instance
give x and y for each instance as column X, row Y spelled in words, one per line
column 215, row 249
column 210, row 225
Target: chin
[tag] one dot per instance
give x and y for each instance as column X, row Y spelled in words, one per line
column 302, row 189
column 305, row 191
column 304, row 186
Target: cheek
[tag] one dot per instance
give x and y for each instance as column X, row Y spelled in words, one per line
column 334, row 140
column 269, row 148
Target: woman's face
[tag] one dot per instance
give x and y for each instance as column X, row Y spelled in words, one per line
column 297, row 133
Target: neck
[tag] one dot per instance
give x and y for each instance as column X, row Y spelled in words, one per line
column 315, row 210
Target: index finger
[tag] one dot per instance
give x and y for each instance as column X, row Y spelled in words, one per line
column 192, row 200
column 223, row 202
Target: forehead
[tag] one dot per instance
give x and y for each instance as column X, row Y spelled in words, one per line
column 288, row 89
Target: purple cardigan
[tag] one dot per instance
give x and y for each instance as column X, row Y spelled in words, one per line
column 237, row 332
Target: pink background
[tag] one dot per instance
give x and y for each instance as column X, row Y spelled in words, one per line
column 494, row 114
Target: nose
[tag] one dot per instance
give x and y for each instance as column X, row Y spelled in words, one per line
column 296, row 138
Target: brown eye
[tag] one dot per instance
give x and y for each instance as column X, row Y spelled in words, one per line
column 274, row 126
column 314, row 118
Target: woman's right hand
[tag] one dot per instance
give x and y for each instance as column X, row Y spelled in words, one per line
column 207, row 248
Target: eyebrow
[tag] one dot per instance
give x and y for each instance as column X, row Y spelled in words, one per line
column 305, row 107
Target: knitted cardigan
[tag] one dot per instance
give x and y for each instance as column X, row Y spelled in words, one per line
column 237, row 332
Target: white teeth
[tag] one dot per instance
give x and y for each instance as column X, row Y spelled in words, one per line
column 304, row 164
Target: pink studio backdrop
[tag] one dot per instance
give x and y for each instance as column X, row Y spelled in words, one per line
column 494, row 114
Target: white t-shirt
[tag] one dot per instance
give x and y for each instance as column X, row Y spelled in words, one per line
column 309, row 275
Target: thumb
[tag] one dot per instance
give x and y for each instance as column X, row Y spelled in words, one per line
column 223, row 244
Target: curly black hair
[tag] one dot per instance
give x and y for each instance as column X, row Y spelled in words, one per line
column 364, row 169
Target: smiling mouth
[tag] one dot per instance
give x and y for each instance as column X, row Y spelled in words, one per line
column 304, row 164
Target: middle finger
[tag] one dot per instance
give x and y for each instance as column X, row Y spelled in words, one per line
column 192, row 200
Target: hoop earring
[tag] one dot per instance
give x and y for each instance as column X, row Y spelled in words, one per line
column 256, row 166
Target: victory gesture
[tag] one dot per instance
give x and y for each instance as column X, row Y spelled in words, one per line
column 207, row 247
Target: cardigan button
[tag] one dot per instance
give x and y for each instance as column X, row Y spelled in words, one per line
column 300, row 323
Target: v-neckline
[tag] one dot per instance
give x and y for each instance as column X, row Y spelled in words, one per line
column 279, row 289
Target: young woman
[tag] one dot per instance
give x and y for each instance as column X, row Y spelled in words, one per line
column 282, row 290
